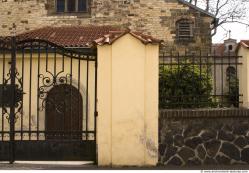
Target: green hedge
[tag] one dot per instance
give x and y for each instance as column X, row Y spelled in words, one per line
column 185, row 86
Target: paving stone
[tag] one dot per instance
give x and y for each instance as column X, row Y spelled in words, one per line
column 212, row 147
column 240, row 128
column 223, row 160
column 178, row 140
column 208, row 134
column 175, row 161
column 230, row 150
column 185, row 153
column 227, row 128
column 194, row 161
column 192, row 131
column 245, row 155
column 193, row 142
column 201, row 152
column 162, row 148
column 223, row 135
column 241, row 142
column 209, row 161
column 170, row 151
column 168, row 139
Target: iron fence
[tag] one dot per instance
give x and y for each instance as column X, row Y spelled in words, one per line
column 48, row 97
column 198, row 81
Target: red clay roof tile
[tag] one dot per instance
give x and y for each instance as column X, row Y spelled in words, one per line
column 114, row 35
column 83, row 36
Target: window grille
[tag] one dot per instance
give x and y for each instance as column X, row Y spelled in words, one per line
column 185, row 29
column 60, row 5
column 71, row 6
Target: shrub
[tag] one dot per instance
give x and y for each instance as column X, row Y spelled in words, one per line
column 185, row 86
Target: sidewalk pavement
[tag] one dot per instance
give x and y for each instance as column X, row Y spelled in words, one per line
column 91, row 166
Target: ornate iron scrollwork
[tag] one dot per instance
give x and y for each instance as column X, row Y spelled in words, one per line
column 47, row 84
column 6, row 92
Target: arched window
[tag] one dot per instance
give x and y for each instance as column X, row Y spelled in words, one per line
column 230, row 72
column 184, row 29
column 233, row 86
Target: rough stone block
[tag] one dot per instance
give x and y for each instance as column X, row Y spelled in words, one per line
column 230, row 150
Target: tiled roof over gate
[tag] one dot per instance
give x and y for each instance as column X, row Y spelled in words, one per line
column 83, row 36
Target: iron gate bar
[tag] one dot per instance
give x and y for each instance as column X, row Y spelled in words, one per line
column 214, row 59
column 38, row 86
column 222, row 89
column 30, row 85
column 71, row 73
column 87, row 98
column 22, row 148
column 2, row 92
column 95, row 108
column 12, row 108
column 80, row 122
column 207, row 66
column 22, row 88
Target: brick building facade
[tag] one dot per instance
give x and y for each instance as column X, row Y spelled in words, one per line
column 154, row 17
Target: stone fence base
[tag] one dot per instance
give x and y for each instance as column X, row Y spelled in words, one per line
column 204, row 137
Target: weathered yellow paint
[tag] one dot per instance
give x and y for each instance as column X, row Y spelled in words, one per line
column 104, row 121
column 127, row 130
column 243, row 74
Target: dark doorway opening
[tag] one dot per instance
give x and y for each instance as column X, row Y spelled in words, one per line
column 64, row 113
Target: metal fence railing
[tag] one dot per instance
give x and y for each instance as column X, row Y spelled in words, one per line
column 197, row 81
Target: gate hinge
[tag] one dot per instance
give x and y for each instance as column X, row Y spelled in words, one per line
column 96, row 113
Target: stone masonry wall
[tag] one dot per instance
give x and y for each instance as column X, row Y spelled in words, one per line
column 204, row 137
column 154, row 17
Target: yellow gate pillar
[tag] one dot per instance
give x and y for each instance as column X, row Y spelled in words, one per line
column 243, row 73
column 127, row 123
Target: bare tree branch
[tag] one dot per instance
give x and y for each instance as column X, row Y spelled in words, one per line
column 228, row 11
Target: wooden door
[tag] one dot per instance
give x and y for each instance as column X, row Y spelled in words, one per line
column 64, row 108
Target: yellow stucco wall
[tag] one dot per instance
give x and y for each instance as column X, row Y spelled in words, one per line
column 243, row 74
column 127, row 132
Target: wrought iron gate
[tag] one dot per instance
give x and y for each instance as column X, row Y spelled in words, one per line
column 47, row 101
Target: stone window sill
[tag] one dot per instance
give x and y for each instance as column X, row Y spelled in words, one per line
column 190, row 39
column 76, row 14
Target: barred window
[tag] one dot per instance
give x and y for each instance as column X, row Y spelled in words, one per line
column 71, row 6
column 82, row 5
column 184, row 29
column 60, row 5
column 230, row 72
